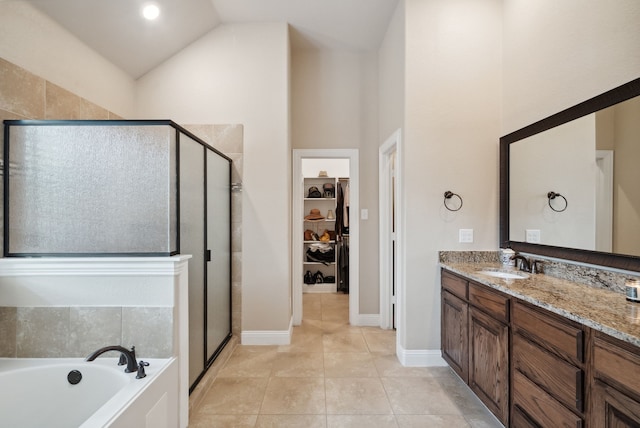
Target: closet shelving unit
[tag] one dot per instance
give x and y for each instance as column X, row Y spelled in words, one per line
column 319, row 226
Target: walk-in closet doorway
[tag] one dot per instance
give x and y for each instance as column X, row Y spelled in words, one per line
column 308, row 172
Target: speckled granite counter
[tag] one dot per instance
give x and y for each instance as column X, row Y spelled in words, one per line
column 603, row 310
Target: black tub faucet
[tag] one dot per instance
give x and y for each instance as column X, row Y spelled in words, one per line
column 129, row 355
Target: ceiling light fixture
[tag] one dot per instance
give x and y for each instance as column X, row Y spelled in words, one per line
column 150, row 11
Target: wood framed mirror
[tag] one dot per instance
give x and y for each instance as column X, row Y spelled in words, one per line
column 540, row 140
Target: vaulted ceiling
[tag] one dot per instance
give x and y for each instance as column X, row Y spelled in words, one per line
column 116, row 29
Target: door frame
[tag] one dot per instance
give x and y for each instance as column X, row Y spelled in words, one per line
column 392, row 144
column 297, row 232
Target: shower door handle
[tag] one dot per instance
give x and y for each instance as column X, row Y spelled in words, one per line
column 207, row 256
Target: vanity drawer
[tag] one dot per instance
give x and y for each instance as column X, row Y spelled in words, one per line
column 556, row 334
column 616, row 361
column 561, row 379
column 454, row 284
column 540, row 406
column 493, row 303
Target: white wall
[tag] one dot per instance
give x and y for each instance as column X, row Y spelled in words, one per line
column 452, row 125
column 38, row 44
column 334, row 105
column 391, row 69
column 560, row 53
column 240, row 74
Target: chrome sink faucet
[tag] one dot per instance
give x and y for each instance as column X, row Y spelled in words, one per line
column 129, row 355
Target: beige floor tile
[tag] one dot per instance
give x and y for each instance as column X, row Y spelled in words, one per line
column 336, row 327
column 483, row 420
column 419, row 396
column 381, row 342
column 389, row 366
column 431, row 421
column 291, row 421
column 338, row 376
column 234, row 396
column 308, row 326
column 356, row 396
column 301, row 396
column 344, row 342
column 312, row 310
column 460, row 393
column 302, row 364
column 249, row 362
column 349, row 364
column 305, row 342
column 223, row 421
column 360, row 421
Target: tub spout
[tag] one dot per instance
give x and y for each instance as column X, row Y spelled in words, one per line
column 129, row 355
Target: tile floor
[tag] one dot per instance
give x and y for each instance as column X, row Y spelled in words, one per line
column 334, row 375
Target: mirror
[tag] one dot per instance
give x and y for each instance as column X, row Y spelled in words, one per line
column 569, row 184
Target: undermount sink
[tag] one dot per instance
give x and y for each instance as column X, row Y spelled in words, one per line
column 503, row 274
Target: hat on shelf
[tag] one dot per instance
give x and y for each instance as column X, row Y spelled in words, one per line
column 322, row 174
column 314, row 214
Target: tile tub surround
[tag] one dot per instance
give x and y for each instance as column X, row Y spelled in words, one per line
column 601, row 309
column 334, row 375
column 54, row 332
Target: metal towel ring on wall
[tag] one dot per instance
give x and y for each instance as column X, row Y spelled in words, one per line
column 448, row 195
column 553, row 195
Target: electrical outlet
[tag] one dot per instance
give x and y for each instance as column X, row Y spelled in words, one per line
column 466, row 235
column 532, row 236
column 364, row 214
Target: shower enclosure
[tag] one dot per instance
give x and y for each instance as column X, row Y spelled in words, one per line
column 126, row 188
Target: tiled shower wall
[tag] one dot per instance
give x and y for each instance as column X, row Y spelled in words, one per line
column 72, row 331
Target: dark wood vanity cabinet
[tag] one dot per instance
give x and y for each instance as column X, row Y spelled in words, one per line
column 534, row 368
column 547, row 367
column 475, row 339
column 454, row 331
column 615, row 385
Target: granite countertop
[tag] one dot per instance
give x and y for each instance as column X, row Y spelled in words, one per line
column 603, row 310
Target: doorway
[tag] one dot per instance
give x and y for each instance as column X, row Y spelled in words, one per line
column 313, row 158
column 391, row 252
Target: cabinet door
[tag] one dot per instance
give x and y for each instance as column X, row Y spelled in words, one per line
column 455, row 339
column 612, row 409
column 489, row 362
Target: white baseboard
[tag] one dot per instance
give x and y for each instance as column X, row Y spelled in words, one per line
column 369, row 320
column 420, row 357
column 267, row 337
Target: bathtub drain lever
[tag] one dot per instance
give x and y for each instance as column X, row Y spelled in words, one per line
column 141, row 367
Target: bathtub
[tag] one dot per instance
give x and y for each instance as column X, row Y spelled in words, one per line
column 40, row 392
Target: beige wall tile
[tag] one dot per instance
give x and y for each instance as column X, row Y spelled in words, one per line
column 149, row 329
column 92, row 328
column 21, row 92
column 8, row 319
column 42, row 332
column 64, row 105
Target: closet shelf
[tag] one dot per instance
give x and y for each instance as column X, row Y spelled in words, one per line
column 319, row 263
column 319, row 242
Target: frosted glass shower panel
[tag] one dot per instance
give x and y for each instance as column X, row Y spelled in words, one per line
column 92, row 189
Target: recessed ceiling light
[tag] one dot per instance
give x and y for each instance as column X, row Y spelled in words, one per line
column 150, row 11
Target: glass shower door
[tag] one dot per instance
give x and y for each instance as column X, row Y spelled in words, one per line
column 219, row 245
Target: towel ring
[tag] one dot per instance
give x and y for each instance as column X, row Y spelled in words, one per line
column 448, row 195
column 553, row 195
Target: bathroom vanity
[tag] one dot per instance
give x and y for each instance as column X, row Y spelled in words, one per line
column 542, row 351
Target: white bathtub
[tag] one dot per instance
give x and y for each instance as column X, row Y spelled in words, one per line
column 35, row 393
